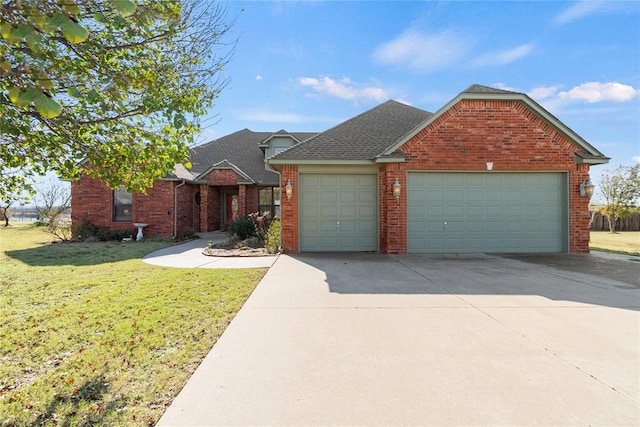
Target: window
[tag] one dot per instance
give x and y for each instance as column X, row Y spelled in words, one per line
column 122, row 203
column 269, row 200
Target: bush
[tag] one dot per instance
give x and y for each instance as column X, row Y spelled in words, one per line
column 118, row 235
column 272, row 238
column 242, row 228
column 87, row 231
column 186, row 234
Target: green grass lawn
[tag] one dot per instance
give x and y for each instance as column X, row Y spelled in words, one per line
column 627, row 242
column 89, row 334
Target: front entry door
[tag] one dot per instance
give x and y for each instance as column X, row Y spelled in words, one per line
column 232, row 207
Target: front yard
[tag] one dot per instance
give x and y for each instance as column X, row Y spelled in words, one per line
column 623, row 242
column 91, row 334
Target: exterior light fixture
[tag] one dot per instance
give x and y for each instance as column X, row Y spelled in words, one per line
column 586, row 188
column 396, row 189
column 288, row 190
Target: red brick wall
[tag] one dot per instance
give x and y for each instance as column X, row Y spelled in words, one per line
column 289, row 210
column 506, row 133
column 156, row 209
column 223, row 177
column 92, row 201
column 391, row 211
column 251, row 201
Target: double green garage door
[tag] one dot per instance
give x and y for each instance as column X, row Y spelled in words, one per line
column 446, row 212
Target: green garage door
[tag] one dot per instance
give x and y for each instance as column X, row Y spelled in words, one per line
column 338, row 212
column 486, row 212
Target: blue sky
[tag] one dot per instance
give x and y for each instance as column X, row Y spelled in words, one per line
column 309, row 65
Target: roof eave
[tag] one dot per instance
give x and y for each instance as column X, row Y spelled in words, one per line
column 592, row 160
column 390, row 159
column 275, row 162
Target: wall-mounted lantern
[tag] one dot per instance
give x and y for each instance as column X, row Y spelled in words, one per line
column 586, row 188
column 288, row 190
column 396, row 189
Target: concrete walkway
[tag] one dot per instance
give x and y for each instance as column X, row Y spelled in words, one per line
column 189, row 255
column 369, row 339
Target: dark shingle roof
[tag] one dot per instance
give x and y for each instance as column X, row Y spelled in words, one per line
column 361, row 138
column 239, row 150
column 476, row 88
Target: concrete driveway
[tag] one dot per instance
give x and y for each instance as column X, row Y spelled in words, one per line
column 369, row 339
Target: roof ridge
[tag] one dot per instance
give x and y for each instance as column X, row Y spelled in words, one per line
column 478, row 88
column 344, row 123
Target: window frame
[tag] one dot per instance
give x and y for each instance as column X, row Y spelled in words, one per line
column 119, row 209
column 274, row 201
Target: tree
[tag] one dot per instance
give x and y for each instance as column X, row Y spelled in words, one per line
column 52, row 200
column 108, row 88
column 621, row 190
column 5, row 213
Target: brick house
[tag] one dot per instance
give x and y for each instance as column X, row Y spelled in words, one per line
column 228, row 179
column 491, row 171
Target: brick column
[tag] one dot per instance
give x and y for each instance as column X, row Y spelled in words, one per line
column 289, row 210
column 242, row 200
column 204, row 211
column 579, row 234
column 393, row 212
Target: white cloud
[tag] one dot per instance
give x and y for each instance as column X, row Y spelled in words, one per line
column 585, row 8
column 420, row 51
column 503, row 86
column 505, row 57
column 578, row 10
column 543, row 92
column 636, row 159
column 344, row 88
column 258, row 77
column 593, row 92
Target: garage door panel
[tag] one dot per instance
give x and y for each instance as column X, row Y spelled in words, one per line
column 329, row 197
column 338, row 212
column 348, row 212
column 433, row 196
column 475, row 227
column 498, row 212
column 416, row 228
column 325, row 181
column 328, row 211
column 434, row 226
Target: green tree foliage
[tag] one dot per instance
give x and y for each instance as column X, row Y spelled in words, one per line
column 621, row 190
column 110, row 88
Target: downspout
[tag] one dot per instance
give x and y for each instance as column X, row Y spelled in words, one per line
column 175, row 209
column 280, row 185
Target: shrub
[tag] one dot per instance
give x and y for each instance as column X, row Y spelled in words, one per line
column 261, row 224
column 272, row 238
column 87, row 231
column 118, row 235
column 242, row 228
column 186, row 234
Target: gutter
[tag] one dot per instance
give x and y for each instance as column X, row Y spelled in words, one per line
column 175, row 208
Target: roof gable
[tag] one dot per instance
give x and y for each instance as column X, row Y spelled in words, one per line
column 479, row 92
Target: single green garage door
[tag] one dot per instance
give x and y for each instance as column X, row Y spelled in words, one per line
column 486, row 212
column 338, row 212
